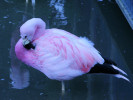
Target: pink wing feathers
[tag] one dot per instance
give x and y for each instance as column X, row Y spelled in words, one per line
column 77, row 49
column 89, row 55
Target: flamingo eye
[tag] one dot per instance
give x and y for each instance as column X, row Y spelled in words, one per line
column 25, row 37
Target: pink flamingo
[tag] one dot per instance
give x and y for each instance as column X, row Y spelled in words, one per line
column 59, row 54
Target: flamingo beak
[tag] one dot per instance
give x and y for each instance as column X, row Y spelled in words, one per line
column 27, row 44
column 25, row 41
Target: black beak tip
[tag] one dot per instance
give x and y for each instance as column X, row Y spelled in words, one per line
column 29, row 46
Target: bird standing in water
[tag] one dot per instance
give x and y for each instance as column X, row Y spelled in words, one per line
column 59, row 54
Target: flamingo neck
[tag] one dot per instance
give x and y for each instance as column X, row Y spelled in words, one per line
column 38, row 33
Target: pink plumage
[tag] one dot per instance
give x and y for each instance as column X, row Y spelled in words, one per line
column 59, row 54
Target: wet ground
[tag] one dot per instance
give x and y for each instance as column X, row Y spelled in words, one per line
column 100, row 21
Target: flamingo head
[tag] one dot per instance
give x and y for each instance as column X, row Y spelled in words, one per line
column 31, row 30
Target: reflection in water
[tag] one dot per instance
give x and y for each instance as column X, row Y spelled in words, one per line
column 25, row 12
column 18, row 75
column 58, row 6
column 33, row 5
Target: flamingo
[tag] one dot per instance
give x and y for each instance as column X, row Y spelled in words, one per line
column 59, row 54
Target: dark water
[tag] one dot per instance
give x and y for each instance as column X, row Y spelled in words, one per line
column 101, row 22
